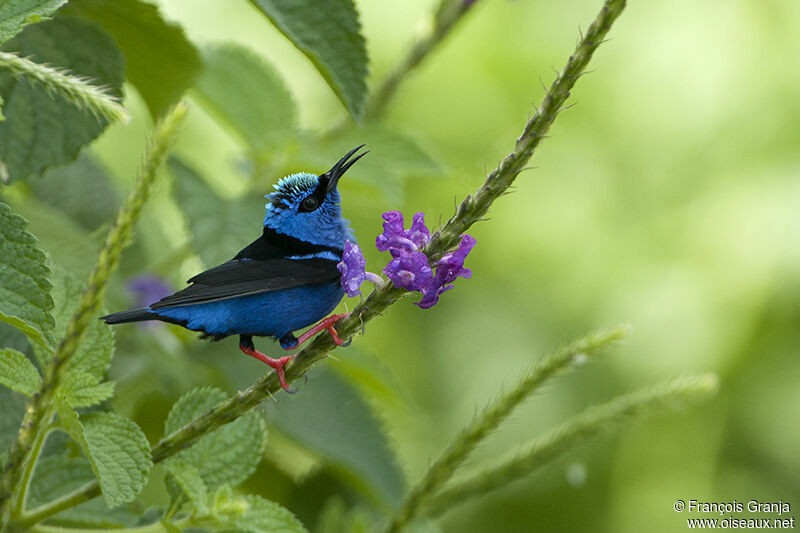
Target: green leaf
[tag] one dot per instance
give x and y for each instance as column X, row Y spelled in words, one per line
column 56, row 476
column 120, row 456
column 211, row 216
column 81, row 190
column 2, row 116
column 11, row 337
column 96, row 514
column 227, row 507
column 116, row 448
column 81, row 389
column 246, row 94
column 329, row 34
column 228, row 455
column 160, row 61
column 188, row 478
column 251, row 514
column 69, row 421
column 67, row 244
column 14, row 14
column 96, row 347
column 263, row 515
column 25, row 300
column 43, row 130
column 18, row 373
column 10, row 417
column 330, row 418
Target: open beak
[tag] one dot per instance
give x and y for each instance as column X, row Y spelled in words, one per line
column 341, row 167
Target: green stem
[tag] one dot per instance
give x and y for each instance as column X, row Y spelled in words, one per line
column 118, row 237
column 76, row 497
column 155, row 527
column 27, row 473
column 444, row 467
column 471, row 210
column 76, row 89
column 175, row 506
column 673, row 394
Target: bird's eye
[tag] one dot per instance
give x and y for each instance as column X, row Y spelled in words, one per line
column 309, row 204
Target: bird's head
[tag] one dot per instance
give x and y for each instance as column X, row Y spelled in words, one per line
column 306, row 206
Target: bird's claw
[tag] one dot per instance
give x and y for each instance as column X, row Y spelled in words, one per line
column 277, row 364
column 326, row 324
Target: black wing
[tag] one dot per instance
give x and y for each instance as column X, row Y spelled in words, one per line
column 245, row 277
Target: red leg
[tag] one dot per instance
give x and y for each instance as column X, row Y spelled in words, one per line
column 277, row 364
column 326, row 323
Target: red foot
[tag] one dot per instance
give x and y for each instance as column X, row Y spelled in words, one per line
column 277, row 364
column 326, row 323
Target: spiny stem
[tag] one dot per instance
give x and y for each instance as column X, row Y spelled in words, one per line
column 445, row 466
column 674, row 394
column 36, row 415
column 98, row 100
column 473, row 209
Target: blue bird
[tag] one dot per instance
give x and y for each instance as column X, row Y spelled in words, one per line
column 283, row 281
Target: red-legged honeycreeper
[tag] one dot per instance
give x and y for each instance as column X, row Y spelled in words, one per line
column 283, row 281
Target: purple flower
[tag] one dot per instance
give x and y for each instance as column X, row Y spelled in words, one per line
column 430, row 296
column 409, row 268
column 410, row 271
column 397, row 240
column 451, row 265
column 352, row 269
column 448, row 268
column 419, row 233
column 148, row 289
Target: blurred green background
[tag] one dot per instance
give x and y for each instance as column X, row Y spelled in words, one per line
column 668, row 197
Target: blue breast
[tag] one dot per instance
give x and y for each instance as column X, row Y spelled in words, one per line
column 272, row 314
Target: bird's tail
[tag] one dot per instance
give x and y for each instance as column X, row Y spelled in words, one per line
column 134, row 315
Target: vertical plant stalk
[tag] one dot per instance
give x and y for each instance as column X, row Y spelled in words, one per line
column 27, row 473
column 471, row 210
column 436, row 28
column 76, row 89
column 38, row 412
column 446, row 465
column 674, row 394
